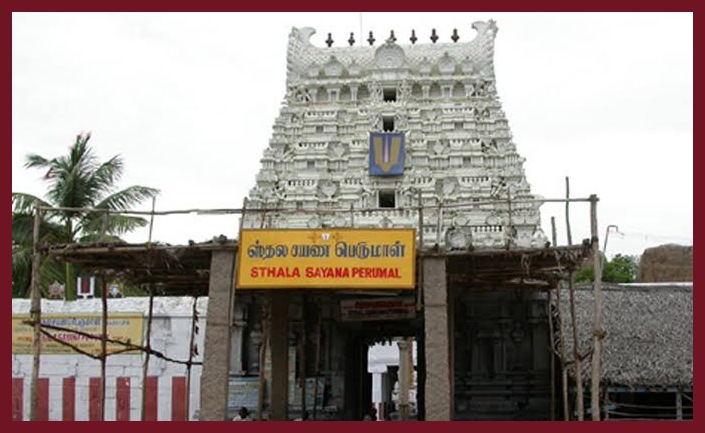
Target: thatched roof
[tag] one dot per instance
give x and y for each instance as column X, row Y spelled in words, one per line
column 172, row 270
column 515, row 268
column 649, row 333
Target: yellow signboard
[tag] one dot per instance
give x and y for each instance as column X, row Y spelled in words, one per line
column 123, row 327
column 327, row 259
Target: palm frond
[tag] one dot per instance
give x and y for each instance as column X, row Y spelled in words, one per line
column 21, row 269
column 24, row 203
column 117, row 224
column 50, row 270
column 33, row 160
column 128, row 197
column 104, row 178
column 23, row 230
column 75, row 180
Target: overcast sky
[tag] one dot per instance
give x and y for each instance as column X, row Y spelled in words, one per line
column 189, row 99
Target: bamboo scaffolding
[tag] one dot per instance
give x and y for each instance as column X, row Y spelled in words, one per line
column 227, row 211
column 553, row 355
column 36, row 314
column 577, row 364
column 598, row 333
column 104, row 324
column 576, row 345
column 150, row 315
column 564, row 367
column 192, row 350
column 148, row 345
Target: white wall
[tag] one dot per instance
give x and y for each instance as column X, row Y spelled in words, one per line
column 171, row 330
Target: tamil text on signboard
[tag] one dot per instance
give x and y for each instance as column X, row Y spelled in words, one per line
column 126, row 328
column 362, row 309
column 327, row 259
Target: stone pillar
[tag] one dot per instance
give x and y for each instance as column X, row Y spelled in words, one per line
column 438, row 381
column 216, row 356
column 404, row 376
column 279, row 344
column 236, row 341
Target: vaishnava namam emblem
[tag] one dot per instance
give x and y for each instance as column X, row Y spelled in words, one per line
column 386, row 154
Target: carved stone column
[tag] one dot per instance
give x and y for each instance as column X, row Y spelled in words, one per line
column 404, row 378
column 279, row 344
column 236, row 340
column 438, row 384
column 216, row 356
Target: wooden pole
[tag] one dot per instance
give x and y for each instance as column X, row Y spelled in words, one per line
column 194, row 319
column 580, row 404
column 576, row 352
column 150, row 313
column 151, row 220
column 551, row 350
column 564, row 370
column 148, row 345
column 36, row 313
column 104, row 324
column 597, row 331
column 317, row 361
column 554, row 237
column 103, row 343
column 567, row 210
column 263, row 358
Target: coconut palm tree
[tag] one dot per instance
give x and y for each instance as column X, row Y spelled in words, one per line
column 76, row 180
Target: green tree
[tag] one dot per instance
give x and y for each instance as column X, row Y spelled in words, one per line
column 76, row 180
column 621, row 269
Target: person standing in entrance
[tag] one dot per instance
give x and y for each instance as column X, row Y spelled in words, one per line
column 242, row 415
column 371, row 415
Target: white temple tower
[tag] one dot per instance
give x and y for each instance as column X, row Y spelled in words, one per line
column 368, row 133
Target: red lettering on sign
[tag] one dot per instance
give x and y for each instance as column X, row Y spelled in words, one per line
column 327, row 273
column 274, row 272
column 324, row 272
column 381, row 273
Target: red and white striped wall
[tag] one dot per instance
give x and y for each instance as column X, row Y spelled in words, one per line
column 78, row 399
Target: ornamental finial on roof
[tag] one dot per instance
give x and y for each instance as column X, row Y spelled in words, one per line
column 413, row 37
column 391, row 38
column 329, row 41
column 434, row 36
column 351, row 41
column 371, row 39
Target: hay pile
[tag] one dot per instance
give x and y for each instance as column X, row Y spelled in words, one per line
column 666, row 263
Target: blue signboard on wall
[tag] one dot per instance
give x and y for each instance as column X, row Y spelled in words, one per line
column 386, row 154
